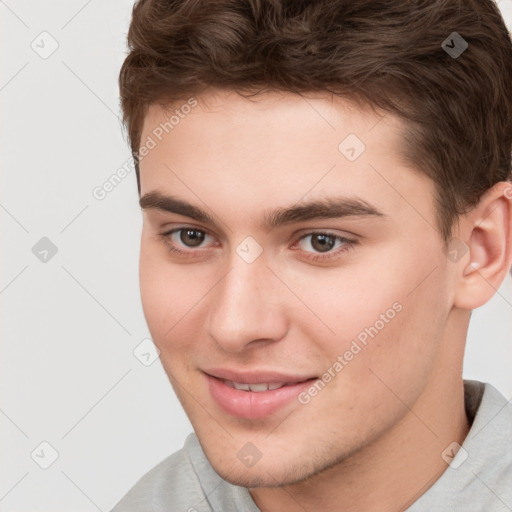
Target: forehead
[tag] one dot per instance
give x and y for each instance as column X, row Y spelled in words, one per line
column 277, row 148
column 320, row 112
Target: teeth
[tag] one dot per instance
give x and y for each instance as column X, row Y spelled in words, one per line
column 243, row 387
column 254, row 387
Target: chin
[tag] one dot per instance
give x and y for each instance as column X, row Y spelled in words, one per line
column 261, row 477
column 268, row 473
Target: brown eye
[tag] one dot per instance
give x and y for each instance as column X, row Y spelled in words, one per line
column 322, row 243
column 191, row 237
column 319, row 245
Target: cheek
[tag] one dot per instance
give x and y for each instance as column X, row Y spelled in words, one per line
column 340, row 306
column 401, row 358
column 153, row 288
column 389, row 320
column 171, row 296
column 162, row 296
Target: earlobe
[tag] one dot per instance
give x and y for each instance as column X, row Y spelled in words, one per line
column 487, row 230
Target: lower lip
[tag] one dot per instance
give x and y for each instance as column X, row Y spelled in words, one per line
column 253, row 405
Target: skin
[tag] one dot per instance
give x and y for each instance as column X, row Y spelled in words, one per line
column 372, row 438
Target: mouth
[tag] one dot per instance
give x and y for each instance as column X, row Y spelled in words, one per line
column 258, row 388
column 255, row 400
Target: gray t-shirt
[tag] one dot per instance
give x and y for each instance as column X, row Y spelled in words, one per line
column 478, row 479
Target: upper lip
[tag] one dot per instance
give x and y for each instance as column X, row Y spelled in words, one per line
column 256, row 376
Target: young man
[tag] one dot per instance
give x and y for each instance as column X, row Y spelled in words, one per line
column 326, row 191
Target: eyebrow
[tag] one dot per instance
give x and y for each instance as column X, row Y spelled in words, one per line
column 328, row 208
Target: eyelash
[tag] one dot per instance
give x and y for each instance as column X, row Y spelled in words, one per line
column 348, row 244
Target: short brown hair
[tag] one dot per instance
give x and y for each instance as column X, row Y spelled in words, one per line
column 386, row 54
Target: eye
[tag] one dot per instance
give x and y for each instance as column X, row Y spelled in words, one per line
column 180, row 239
column 324, row 245
column 320, row 242
column 318, row 245
column 189, row 237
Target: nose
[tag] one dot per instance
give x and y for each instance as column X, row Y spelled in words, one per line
column 247, row 307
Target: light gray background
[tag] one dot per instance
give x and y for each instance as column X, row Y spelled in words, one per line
column 69, row 376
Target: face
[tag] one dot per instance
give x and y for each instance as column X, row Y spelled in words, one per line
column 277, row 249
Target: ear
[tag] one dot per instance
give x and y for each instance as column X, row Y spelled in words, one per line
column 487, row 233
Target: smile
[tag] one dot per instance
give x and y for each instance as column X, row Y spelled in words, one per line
column 254, row 401
column 257, row 388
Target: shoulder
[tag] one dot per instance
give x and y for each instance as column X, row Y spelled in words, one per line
column 480, row 475
column 489, row 446
column 171, row 483
column 187, row 482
